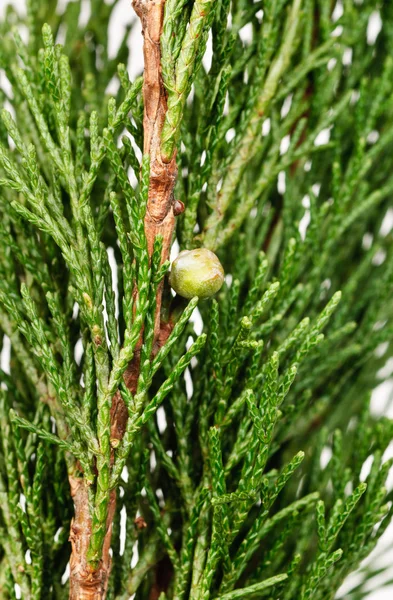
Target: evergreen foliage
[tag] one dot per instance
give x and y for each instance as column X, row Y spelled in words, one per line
column 284, row 149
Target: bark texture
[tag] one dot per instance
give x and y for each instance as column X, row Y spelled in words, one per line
column 160, row 215
column 87, row 583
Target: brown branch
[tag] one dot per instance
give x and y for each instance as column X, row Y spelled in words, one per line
column 87, row 583
column 160, row 217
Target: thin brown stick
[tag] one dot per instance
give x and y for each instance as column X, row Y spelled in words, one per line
column 160, row 217
column 87, row 583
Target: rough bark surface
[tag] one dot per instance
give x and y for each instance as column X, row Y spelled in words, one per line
column 160, row 217
column 87, row 583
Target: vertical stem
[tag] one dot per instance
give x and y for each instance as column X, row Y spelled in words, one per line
column 87, row 582
column 90, row 581
column 160, row 218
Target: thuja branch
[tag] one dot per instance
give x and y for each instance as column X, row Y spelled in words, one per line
column 195, row 457
column 160, row 218
column 245, row 147
column 156, row 211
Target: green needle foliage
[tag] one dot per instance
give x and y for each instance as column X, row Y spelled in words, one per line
column 284, row 142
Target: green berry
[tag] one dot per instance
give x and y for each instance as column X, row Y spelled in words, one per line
column 196, row 273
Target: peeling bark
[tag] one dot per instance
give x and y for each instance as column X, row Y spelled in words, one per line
column 87, row 583
column 160, row 217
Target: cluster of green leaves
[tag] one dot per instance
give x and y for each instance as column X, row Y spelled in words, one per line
column 222, row 493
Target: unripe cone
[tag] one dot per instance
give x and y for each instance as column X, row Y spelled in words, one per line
column 196, row 273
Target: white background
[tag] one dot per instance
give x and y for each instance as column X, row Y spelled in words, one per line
column 381, row 400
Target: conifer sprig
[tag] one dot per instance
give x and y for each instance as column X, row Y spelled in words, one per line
column 195, row 434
